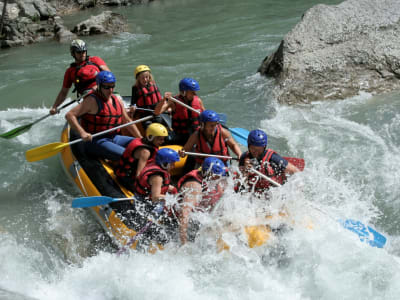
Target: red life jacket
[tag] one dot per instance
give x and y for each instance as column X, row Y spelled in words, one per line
column 209, row 198
column 146, row 97
column 265, row 167
column 108, row 116
column 85, row 75
column 218, row 146
column 128, row 163
column 183, row 119
column 142, row 185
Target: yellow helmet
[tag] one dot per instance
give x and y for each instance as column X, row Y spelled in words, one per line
column 156, row 129
column 141, row 68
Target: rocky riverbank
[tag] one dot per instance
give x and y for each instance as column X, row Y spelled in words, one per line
column 30, row 21
column 338, row 51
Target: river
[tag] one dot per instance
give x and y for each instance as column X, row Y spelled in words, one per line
column 49, row 250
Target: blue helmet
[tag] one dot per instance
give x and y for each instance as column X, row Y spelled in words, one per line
column 213, row 165
column 189, row 84
column 166, row 156
column 257, row 138
column 208, row 116
column 105, row 77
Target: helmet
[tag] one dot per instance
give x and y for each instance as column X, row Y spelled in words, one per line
column 155, row 129
column 141, row 68
column 209, row 116
column 257, row 138
column 213, row 165
column 166, row 156
column 105, row 77
column 189, row 84
column 77, row 46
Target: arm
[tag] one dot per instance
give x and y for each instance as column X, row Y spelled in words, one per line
column 88, row 106
column 104, row 68
column 164, row 105
column 60, row 99
column 132, row 129
column 156, row 184
column 142, row 155
column 190, row 200
column 231, row 142
column 202, row 105
column 291, row 169
column 193, row 139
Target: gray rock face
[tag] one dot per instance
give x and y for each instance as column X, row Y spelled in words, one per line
column 106, row 22
column 337, row 51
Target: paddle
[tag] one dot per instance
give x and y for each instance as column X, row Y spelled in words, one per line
column 95, row 201
column 156, row 212
column 24, row 128
column 49, row 150
column 365, row 233
column 210, row 155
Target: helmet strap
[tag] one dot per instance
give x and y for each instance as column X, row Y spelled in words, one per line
column 164, row 166
column 150, row 138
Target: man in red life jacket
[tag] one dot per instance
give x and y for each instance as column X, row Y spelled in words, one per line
column 82, row 73
column 184, row 121
column 264, row 160
column 212, row 138
column 138, row 153
column 201, row 190
column 100, row 111
column 155, row 180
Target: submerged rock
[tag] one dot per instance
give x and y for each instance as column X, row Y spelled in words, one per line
column 335, row 52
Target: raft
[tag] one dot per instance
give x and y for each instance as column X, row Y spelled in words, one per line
column 95, row 177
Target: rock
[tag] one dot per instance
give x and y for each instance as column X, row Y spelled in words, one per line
column 106, row 22
column 335, row 52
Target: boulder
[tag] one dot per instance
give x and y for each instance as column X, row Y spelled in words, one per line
column 106, row 22
column 337, row 51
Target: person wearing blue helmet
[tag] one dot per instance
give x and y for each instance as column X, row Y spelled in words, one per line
column 184, row 121
column 265, row 160
column 200, row 190
column 100, row 111
column 82, row 73
column 212, row 138
column 154, row 181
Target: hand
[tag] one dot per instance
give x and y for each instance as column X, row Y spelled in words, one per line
column 247, row 164
column 172, row 190
column 181, row 153
column 87, row 137
column 167, row 95
column 53, row 111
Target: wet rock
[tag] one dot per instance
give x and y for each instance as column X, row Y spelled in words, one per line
column 336, row 52
column 106, row 22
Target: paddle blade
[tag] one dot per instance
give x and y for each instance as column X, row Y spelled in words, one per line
column 44, row 151
column 91, row 201
column 240, row 135
column 365, row 233
column 16, row 131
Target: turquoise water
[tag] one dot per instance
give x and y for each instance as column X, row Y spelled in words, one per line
column 351, row 148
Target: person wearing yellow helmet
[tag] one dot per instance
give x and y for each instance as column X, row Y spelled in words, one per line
column 138, row 153
column 82, row 73
column 145, row 92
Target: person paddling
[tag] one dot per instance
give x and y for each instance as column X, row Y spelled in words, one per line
column 100, row 111
column 184, row 121
column 82, row 73
column 138, row 153
column 267, row 161
column 200, row 190
column 212, row 138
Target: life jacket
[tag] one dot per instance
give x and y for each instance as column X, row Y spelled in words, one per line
column 128, row 163
column 218, row 146
column 85, row 75
column 142, row 185
column 209, row 197
column 108, row 116
column 260, row 184
column 146, row 97
column 185, row 121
